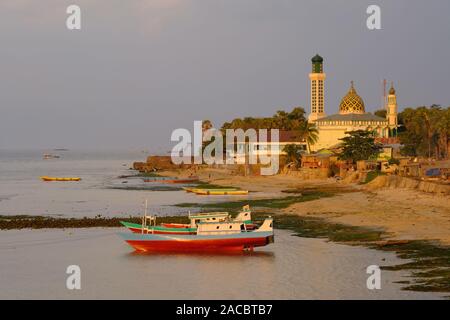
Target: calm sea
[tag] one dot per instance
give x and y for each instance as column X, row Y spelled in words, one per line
column 100, row 192
column 33, row 262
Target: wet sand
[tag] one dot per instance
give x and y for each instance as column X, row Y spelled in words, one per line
column 403, row 214
column 33, row 265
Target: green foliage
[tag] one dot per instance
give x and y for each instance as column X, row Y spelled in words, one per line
column 276, row 203
column 359, row 145
column 394, row 161
column 293, row 153
column 281, row 120
column 310, row 133
column 381, row 113
column 425, row 131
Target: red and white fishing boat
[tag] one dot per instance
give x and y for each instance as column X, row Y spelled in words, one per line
column 209, row 236
column 149, row 222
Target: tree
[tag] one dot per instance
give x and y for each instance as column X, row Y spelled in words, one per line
column 310, row 134
column 443, row 130
column 293, row 153
column 281, row 120
column 359, row 145
column 381, row 113
column 425, row 131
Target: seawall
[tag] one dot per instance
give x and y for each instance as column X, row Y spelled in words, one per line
column 398, row 182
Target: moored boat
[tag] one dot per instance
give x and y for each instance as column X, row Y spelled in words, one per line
column 179, row 228
column 48, row 156
column 210, row 236
column 45, row 178
column 162, row 229
column 220, row 192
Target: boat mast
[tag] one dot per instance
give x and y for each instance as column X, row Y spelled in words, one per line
column 144, row 218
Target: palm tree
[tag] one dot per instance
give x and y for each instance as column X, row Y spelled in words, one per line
column 310, row 133
column 443, row 130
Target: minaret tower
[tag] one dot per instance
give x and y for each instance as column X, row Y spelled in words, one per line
column 317, row 77
column 392, row 111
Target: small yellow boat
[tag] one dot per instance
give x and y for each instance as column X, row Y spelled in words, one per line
column 219, row 192
column 45, row 178
column 194, row 190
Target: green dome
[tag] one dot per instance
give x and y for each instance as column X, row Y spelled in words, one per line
column 317, row 58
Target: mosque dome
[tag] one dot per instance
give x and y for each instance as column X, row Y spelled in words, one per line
column 352, row 102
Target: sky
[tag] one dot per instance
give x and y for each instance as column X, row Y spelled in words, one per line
column 139, row 69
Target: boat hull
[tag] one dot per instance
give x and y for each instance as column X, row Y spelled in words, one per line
column 195, row 243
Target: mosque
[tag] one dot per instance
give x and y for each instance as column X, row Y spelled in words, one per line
column 352, row 114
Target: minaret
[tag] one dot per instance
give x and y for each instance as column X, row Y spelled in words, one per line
column 317, row 77
column 391, row 115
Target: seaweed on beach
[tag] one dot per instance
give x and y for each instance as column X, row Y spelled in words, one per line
column 43, row 222
column 207, row 185
column 428, row 261
column 273, row 203
column 309, row 227
column 147, row 188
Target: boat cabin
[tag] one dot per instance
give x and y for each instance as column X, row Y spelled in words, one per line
column 208, row 228
column 208, row 217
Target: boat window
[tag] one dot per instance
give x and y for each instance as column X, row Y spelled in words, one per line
column 231, row 227
column 217, row 227
column 242, row 227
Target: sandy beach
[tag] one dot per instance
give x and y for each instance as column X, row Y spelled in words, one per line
column 404, row 214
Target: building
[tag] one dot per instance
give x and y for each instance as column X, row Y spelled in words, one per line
column 317, row 78
column 352, row 114
column 268, row 148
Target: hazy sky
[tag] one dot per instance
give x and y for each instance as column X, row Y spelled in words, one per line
column 139, row 69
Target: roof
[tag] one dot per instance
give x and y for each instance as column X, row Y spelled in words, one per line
column 285, row 136
column 352, row 117
column 352, row 102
